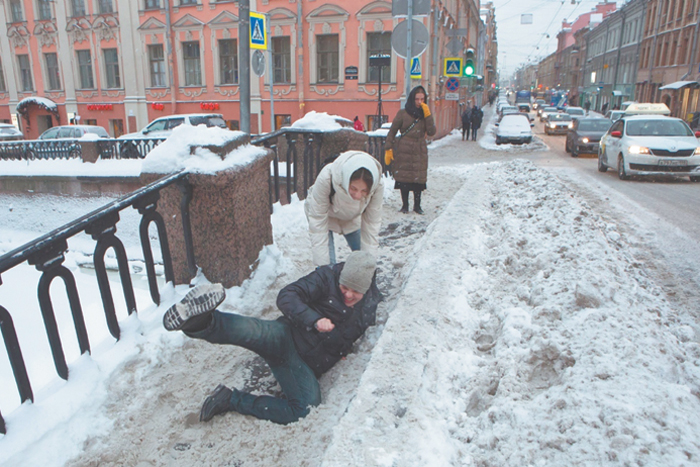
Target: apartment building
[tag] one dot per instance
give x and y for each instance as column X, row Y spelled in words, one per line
column 122, row 63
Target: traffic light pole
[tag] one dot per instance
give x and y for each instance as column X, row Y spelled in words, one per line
column 244, row 61
column 409, row 54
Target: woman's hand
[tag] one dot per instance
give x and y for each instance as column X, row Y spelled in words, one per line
column 388, row 156
column 426, row 110
column 324, row 325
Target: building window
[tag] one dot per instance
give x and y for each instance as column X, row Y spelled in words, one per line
column 25, row 72
column 91, row 121
column 52, row 71
column 117, row 127
column 16, row 11
column 378, row 43
column 327, row 58
column 105, row 6
column 78, row 7
column 282, row 120
column 44, row 9
column 188, row 2
column 85, row 69
column 228, row 61
column 152, row 4
column 190, row 57
column 2, row 78
column 112, row 68
column 281, row 60
column 157, row 65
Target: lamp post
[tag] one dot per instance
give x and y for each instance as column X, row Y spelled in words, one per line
column 379, row 61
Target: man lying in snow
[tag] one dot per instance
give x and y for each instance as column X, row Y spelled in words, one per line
column 324, row 314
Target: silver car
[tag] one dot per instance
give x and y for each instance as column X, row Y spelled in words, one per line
column 650, row 145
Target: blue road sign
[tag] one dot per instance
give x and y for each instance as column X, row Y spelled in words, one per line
column 452, row 84
column 258, row 37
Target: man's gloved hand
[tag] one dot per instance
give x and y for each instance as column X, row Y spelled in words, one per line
column 426, row 110
column 388, row 156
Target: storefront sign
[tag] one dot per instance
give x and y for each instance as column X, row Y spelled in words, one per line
column 351, row 72
column 157, row 106
column 209, row 106
column 99, row 106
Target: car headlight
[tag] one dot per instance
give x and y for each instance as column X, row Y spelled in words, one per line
column 571, row 125
column 697, row 151
column 638, row 150
column 552, row 125
column 584, row 140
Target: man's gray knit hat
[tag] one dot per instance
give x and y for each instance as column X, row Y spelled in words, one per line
column 358, row 271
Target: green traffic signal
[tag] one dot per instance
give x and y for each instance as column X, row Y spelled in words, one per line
column 469, row 68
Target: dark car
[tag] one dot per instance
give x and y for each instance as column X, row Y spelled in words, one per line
column 9, row 132
column 557, row 124
column 585, row 135
column 61, row 141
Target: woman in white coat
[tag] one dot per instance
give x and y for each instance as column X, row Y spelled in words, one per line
column 347, row 199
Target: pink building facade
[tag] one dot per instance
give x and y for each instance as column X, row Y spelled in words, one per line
column 122, row 63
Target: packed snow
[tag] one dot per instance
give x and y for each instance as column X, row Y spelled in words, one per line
column 320, row 121
column 518, row 329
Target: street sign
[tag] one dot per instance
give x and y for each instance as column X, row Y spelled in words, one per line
column 419, row 39
column 453, row 67
column 452, row 84
column 461, row 32
column 452, row 96
column 258, row 36
column 399, row 8
column 416, row 72
column 258, row 62
column 454, row 46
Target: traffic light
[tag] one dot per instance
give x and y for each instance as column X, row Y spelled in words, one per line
column 469, row 68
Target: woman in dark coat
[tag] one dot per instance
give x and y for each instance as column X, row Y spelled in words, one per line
column 476, row 118
column 409, row 152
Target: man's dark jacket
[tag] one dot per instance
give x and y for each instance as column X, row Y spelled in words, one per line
column 318, row 296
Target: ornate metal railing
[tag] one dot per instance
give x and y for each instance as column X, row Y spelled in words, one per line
column 72, row 148
column 47, row 254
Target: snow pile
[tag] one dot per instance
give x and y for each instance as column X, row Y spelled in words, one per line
column 320, row 121
column 90, row 137
column 528, row 337
column 176, row 153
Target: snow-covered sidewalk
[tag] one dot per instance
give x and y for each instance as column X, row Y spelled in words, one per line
column 518, row 329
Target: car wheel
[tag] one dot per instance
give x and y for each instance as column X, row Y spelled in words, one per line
column 601, row 165
column 128, row 151
column 621, row 173
column 30, row 154
column 75, row 154
column 694, row 178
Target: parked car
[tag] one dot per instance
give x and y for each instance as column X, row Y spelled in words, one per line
column 73, row 132
column 557, row 123
column 575, row 112
column 506, row 108
column 650, row 145
column 523, row 107
column 163, row 127
column 614, row 115
column 514, row 128
column 9, row 132
column 545, row 110
column 585, row 136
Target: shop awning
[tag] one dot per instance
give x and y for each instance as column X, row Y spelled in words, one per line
column 679, row 85
column 42, row 102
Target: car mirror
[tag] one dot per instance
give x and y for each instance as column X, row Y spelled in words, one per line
column 496, row 123
column 532, row 125
column 146, row 131
column 616, row 134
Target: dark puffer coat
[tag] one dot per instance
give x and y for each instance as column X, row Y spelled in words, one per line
column 318, row 296
column 411, row 152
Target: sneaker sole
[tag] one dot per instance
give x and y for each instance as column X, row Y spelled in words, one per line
column 201, row 299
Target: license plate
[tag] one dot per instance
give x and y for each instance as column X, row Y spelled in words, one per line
column 675, row 162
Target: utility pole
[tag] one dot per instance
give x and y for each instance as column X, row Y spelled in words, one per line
column 409, row 43
column 244, row 54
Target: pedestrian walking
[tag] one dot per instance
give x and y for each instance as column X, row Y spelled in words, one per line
column 409, row 152
column 346, row 198
column 358, row 124
column 587, row 106
column 477, row 117
column 324, row 313
column 466, row 122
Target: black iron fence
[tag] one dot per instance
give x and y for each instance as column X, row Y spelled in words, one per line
column 47, row 254
column 72, row 148
column 293, row 172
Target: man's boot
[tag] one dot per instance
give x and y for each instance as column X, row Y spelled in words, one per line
column 404, row 200
column 218, row 402
column 193, row 312
column 416, row 202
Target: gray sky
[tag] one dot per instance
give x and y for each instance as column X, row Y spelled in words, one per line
column 518, row 43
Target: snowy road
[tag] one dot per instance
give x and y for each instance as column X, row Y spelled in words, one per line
column 533, row 316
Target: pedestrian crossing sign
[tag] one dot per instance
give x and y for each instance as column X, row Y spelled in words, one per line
column 416, row 72
column 453, row 67
column 258, row 36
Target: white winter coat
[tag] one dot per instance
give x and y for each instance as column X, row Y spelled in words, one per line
column 342, row 214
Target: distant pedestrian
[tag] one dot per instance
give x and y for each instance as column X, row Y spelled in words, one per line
column 587, row 106
column 466, row 122
column 358, row 124
column 476, row 118
column 604, row 108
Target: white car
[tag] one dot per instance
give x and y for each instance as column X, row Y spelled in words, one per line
column 514, row 128
column 163, row 127
column 650, row 145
